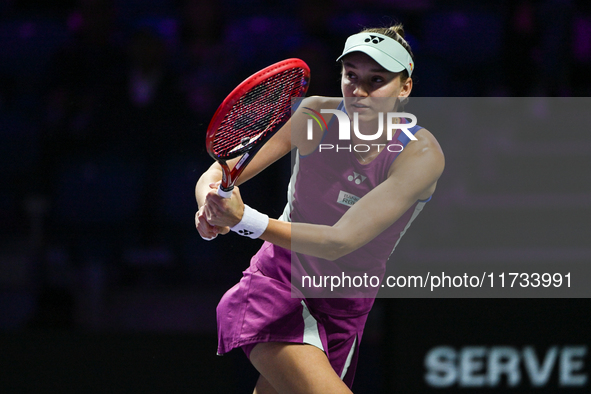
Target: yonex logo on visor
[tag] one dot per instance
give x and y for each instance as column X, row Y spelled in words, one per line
column 374, row 39
column 385, row 50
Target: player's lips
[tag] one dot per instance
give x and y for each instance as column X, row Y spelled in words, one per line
column 359, row 105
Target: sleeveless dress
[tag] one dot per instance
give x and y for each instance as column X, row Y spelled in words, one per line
column 270, row 305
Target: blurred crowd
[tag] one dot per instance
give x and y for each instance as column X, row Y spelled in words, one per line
column 104, row 106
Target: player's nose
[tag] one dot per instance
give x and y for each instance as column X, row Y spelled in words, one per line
column 360, row 91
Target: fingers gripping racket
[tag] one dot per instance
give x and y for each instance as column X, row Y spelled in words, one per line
column 250, row 115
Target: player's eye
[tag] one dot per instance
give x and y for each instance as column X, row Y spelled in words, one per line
column 351, row 75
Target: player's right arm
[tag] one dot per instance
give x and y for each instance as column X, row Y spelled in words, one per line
column 412, row 177
column 278, row 146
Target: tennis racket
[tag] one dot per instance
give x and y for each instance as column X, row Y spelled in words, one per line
column 250, row 115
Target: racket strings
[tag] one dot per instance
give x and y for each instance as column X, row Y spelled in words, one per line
column 258, row 112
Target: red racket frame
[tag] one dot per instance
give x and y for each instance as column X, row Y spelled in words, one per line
column 231, row 175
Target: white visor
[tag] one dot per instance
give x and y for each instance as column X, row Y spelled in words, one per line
column 388, row 52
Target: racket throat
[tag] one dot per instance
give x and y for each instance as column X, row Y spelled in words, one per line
column 225, row 188
column 226, row 176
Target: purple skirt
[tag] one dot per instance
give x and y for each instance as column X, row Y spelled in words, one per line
column 260, row 308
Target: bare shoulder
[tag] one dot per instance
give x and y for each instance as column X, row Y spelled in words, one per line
column 426, row 147
column 423, row 156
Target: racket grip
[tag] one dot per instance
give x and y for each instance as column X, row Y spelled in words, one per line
column 223, row 193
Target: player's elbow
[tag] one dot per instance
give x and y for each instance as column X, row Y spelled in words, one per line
column 332, row 254
column 336, row 247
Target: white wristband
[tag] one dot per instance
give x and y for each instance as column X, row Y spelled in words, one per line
column 253, row 223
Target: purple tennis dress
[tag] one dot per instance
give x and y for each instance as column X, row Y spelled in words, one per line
column 266, row 307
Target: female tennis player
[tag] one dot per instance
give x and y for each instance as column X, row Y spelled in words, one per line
column 346, row 212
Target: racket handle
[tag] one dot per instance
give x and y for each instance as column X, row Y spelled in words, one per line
column 223, row 193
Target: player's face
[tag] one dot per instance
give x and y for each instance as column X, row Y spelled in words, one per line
column 365, row 83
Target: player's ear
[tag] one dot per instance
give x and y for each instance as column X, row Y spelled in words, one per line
column 406, row 88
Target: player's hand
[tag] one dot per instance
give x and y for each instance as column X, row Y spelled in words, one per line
column 223, row 212
column 205, row 229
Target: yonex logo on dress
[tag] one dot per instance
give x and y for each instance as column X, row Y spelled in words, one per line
column 358, row 178
column 374, row 39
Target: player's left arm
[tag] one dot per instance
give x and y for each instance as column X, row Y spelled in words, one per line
column 413, row 176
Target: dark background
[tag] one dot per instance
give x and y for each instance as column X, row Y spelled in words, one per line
column 105, row 286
